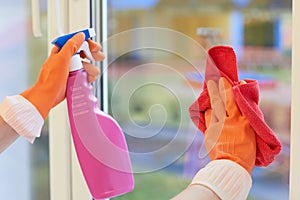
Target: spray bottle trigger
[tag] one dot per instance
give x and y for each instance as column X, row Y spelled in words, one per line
column 86, row 50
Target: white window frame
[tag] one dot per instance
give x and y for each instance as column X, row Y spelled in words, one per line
column 295, row 107
column 66, row 180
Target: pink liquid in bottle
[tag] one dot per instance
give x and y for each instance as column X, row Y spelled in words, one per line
column 99, row 141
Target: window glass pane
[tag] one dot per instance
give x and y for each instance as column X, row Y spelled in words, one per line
column 24, row 168
column 152, row 82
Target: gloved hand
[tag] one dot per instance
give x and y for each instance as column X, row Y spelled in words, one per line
column 50, row 88
column 91, row 70
column 229, row 134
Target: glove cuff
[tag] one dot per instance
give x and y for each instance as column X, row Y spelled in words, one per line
column 22, row 116
column 227, row 179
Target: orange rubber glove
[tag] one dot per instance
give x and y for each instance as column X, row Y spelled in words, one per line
column 91, row 70
column 50, row 88
column 229, row 134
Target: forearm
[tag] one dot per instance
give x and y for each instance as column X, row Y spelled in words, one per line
column 7, row 135
column 219, row 179
column 18, row 118
column 196, row 192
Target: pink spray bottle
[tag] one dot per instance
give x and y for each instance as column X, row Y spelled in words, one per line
column 98, row 139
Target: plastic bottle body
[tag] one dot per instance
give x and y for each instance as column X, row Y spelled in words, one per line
column 99, row 141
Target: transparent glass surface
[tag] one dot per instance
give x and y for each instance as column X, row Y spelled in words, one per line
column 152, row 86
column 24, row 168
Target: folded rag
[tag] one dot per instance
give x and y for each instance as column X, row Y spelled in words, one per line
column 221, row 62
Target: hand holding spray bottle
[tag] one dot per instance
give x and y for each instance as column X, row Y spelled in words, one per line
column 98, row 139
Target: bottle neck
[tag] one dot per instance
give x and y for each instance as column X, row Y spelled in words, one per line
column 75, row 63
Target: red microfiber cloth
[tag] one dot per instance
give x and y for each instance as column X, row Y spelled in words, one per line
column 221, row 62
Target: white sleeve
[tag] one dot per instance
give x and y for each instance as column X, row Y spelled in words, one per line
column 22, row 116
column 227, row 179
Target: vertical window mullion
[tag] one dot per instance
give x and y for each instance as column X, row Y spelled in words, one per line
column 59, row 139
column 295, row 107
column 79, row 18
column 66, row 179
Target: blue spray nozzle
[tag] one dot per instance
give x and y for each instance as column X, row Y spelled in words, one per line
column 61, row 41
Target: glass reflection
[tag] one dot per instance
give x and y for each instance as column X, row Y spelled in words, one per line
column 259, row 31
